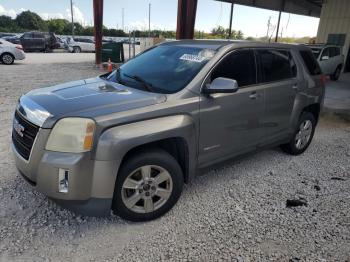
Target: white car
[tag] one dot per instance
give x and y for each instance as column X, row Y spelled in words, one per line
column 10, row 52
column 330, row 58
column 77, row 45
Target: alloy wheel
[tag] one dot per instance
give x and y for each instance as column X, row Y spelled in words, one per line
column 304, row 134
column 7, row 59
column 147, row 188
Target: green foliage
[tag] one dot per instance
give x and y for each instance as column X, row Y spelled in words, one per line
column 6, row 21
column 28, row 20
column 58, row 25
column 31, row 21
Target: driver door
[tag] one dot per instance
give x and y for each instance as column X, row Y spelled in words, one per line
column 231, row 123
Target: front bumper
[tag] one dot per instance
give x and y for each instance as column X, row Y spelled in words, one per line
column 90, row 183
column 20, row 55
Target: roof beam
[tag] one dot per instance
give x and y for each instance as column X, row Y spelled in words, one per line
column 298, row 7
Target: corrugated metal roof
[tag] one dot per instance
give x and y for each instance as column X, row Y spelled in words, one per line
column 299, row 7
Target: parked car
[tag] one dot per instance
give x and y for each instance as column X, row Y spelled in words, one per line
column 61, row 42
column 2, row 35
column 39, row 41
column 330, row 58
column 10, row 52
column 129, row 139
column 13, row 39
column 78, row 45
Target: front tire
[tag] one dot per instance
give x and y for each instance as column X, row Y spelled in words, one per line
column 7, row 59
column 148, row 185
column 302, row 136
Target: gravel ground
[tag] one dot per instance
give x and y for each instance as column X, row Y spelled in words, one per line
column 236, row 212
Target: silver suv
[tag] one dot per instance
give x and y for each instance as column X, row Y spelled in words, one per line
column 127, row 141
column 330, row 58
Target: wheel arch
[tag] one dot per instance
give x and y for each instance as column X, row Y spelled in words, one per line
column 174, row 134
column 313, row 109
column 177, row 147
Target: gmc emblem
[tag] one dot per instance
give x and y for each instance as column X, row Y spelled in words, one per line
column 18, row 127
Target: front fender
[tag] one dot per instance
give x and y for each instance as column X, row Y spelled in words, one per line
column 115, row 142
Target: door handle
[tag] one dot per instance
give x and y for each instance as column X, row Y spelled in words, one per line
column 295, row 87
column 253, row 95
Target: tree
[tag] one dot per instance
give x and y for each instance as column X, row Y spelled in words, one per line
column 31, row 21
column 218, row 31
column 88, row 31
column 6, row 21
column 239, row 35
column 58, row 26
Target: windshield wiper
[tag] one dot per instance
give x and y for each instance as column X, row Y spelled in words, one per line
column 148, row 86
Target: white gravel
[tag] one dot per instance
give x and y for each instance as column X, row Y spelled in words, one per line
column 237, row 212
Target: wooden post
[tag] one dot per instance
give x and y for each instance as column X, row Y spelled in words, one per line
column 98, row 23
column 186, row 18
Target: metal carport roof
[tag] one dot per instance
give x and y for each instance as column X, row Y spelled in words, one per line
column 299, row 7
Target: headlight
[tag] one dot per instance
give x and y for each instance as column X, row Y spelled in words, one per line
column 72, row 135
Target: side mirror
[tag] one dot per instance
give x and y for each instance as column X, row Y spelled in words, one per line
column 221, row 85
column 326, row 57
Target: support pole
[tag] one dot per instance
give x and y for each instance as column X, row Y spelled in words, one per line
column 186, row 18
column 149, row 20
column 278, row 26
column 71, row 12
column 231, row 16
column 98, row 22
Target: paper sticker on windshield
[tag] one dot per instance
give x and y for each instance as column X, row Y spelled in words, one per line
column 192, row 58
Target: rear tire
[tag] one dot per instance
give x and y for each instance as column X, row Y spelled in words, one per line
column 302, row 136
column 148, row 185
column 76, row 49
column 335, row 76
column 47, row 49
column 7, row 59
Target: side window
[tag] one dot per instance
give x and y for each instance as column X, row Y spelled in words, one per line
column 37, row 35
column 239, row 65
column 276, row 65
column 27, row 35
column 332, row 52
column 310, row 62
column 325, row 52
column 337, row 51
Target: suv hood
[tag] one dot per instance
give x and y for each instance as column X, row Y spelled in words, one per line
column 84, row 98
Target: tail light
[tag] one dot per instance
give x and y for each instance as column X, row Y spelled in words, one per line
column 19, row 47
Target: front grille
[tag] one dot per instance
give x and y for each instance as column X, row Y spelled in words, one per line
column 24, row 144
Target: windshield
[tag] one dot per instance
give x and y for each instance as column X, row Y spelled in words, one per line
column 316, row 52
column 163, row 69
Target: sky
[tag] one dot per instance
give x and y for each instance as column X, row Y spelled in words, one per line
column 210, row 13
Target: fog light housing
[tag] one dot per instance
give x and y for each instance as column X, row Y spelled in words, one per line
column 63, row 176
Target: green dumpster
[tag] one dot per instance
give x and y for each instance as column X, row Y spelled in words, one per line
column 113, row 51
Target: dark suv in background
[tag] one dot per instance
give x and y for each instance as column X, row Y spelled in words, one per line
column 39, row 41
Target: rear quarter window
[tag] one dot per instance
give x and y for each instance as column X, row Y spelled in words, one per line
column 310, row 62
column 276, row 65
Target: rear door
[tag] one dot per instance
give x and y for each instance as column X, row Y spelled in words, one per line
column 277, row 73
column 27, row 41
column 38, row 41
column 90, row 45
